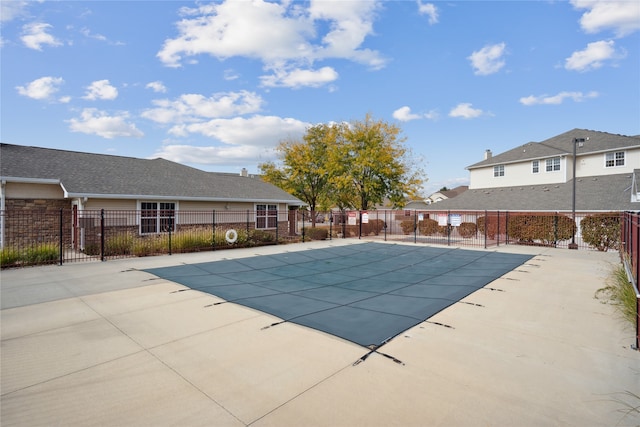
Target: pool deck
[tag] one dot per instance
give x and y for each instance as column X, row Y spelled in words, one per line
column 104, row 343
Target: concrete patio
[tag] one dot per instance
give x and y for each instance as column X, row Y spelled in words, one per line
column 108, row 344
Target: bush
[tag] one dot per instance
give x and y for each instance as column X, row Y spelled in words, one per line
column 9, row 257
column 45, row 253
column 601, row 231
column 468, row 229
column 429, row 227
column 261, row 236
column 408, row 226
column 316, row 233
column 546, row 229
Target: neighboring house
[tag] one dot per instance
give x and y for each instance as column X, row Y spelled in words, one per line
column 446, row 194
column 50, row 179
column 438, row 196
column 538, row 176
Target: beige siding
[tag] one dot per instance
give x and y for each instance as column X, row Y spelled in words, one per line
column 594, row 165
column 110, row 204
column 16, row 190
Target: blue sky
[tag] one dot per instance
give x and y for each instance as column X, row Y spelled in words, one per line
column 218, row 85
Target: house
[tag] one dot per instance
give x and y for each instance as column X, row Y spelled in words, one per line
column 539, row 176
column 435, row 197
column 446, row 194
column 158, row 189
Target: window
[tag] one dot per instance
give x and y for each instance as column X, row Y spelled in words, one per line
column 553, row 164
column 498, row 171
column 266, row 216
column 614, row 159
column 157, row 217
column 535, row 166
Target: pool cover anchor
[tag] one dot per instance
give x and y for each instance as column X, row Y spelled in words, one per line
column 374, row 349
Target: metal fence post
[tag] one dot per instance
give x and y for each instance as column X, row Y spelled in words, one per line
column 248, row 221
column 385, row 225
column 60, row 240
column 415, row 226
column 330, row 225
column 277, row 224
column 360, row 226
column 170, row 227
column 486, row 225
column 213, row 232
column 101, row 234
column 303, row 228
column 448, row 228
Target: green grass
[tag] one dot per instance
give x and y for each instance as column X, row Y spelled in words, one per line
column 619, row 292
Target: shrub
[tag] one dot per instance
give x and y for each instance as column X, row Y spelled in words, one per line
column 601, row 231
column 408, row 226
column 543, row 228
column 42, row 254
column 430, row 227
column 316, row 233
column 9, row 257
column 261, row 236
column 468, row 229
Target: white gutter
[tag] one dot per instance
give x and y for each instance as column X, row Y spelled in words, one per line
column 180, row 198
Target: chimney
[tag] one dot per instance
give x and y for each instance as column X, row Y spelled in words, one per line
column 244, row 172
column 487, row 154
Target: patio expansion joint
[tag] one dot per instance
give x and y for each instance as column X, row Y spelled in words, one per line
column 148, row 351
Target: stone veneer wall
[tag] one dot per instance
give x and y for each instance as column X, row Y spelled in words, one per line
column 29, row 222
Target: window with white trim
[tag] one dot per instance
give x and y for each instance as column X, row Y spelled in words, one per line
column 266, row 216
column 535, row 166
column 157, row 217
column 553, row 165
column 498, row 171
column 612, row 160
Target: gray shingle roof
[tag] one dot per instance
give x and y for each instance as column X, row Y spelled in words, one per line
column 99, row 175
column 598, row 193
column 562, row 145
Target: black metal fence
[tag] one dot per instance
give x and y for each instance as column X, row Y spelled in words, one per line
column 630, row 253
column 35, row 237
column 596, row 231
column 30, row 237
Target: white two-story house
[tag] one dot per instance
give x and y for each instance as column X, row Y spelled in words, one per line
column 538, row 176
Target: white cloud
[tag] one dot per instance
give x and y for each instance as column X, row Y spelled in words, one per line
column 557, row 99
column 95, row 122
column 262, row 131
column 244, row 140
column 230, row 74
column 465, row 111
column 488, row 60
column 298, row 78
column 195, row 107
column 101, row 89
column 430, row 10
column 282, row 36
column 34, row 35
column 9, row 10
column 157, row 86
column 593, row 56
column 42, row 88
column 404, row 114
column 622, row 17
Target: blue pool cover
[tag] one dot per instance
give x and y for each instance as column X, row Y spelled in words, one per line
column 365, row 293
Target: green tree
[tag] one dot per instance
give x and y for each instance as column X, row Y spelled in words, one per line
column 370, row 163
column 304, row 170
